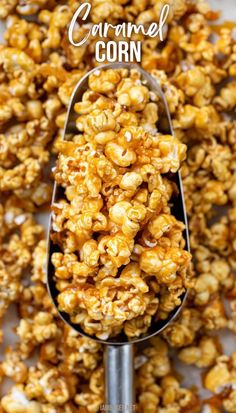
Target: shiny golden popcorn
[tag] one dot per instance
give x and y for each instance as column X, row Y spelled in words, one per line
column 196, row 67
column 121, row 249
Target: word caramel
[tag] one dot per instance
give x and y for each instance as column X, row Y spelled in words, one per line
column 111, row 51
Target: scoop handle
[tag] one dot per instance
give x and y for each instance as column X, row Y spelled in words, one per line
column 119, row 379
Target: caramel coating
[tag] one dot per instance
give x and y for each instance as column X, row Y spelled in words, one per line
column 102, row 283
column 36, row 81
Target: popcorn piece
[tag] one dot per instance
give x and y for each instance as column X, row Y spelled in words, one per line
column 17, row 402
column 203, row 355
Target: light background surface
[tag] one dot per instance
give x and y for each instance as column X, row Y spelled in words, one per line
column 191, row 376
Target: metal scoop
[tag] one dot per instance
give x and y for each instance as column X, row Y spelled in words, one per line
column 118, row 355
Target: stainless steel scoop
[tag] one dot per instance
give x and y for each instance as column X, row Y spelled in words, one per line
column 118, row 355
